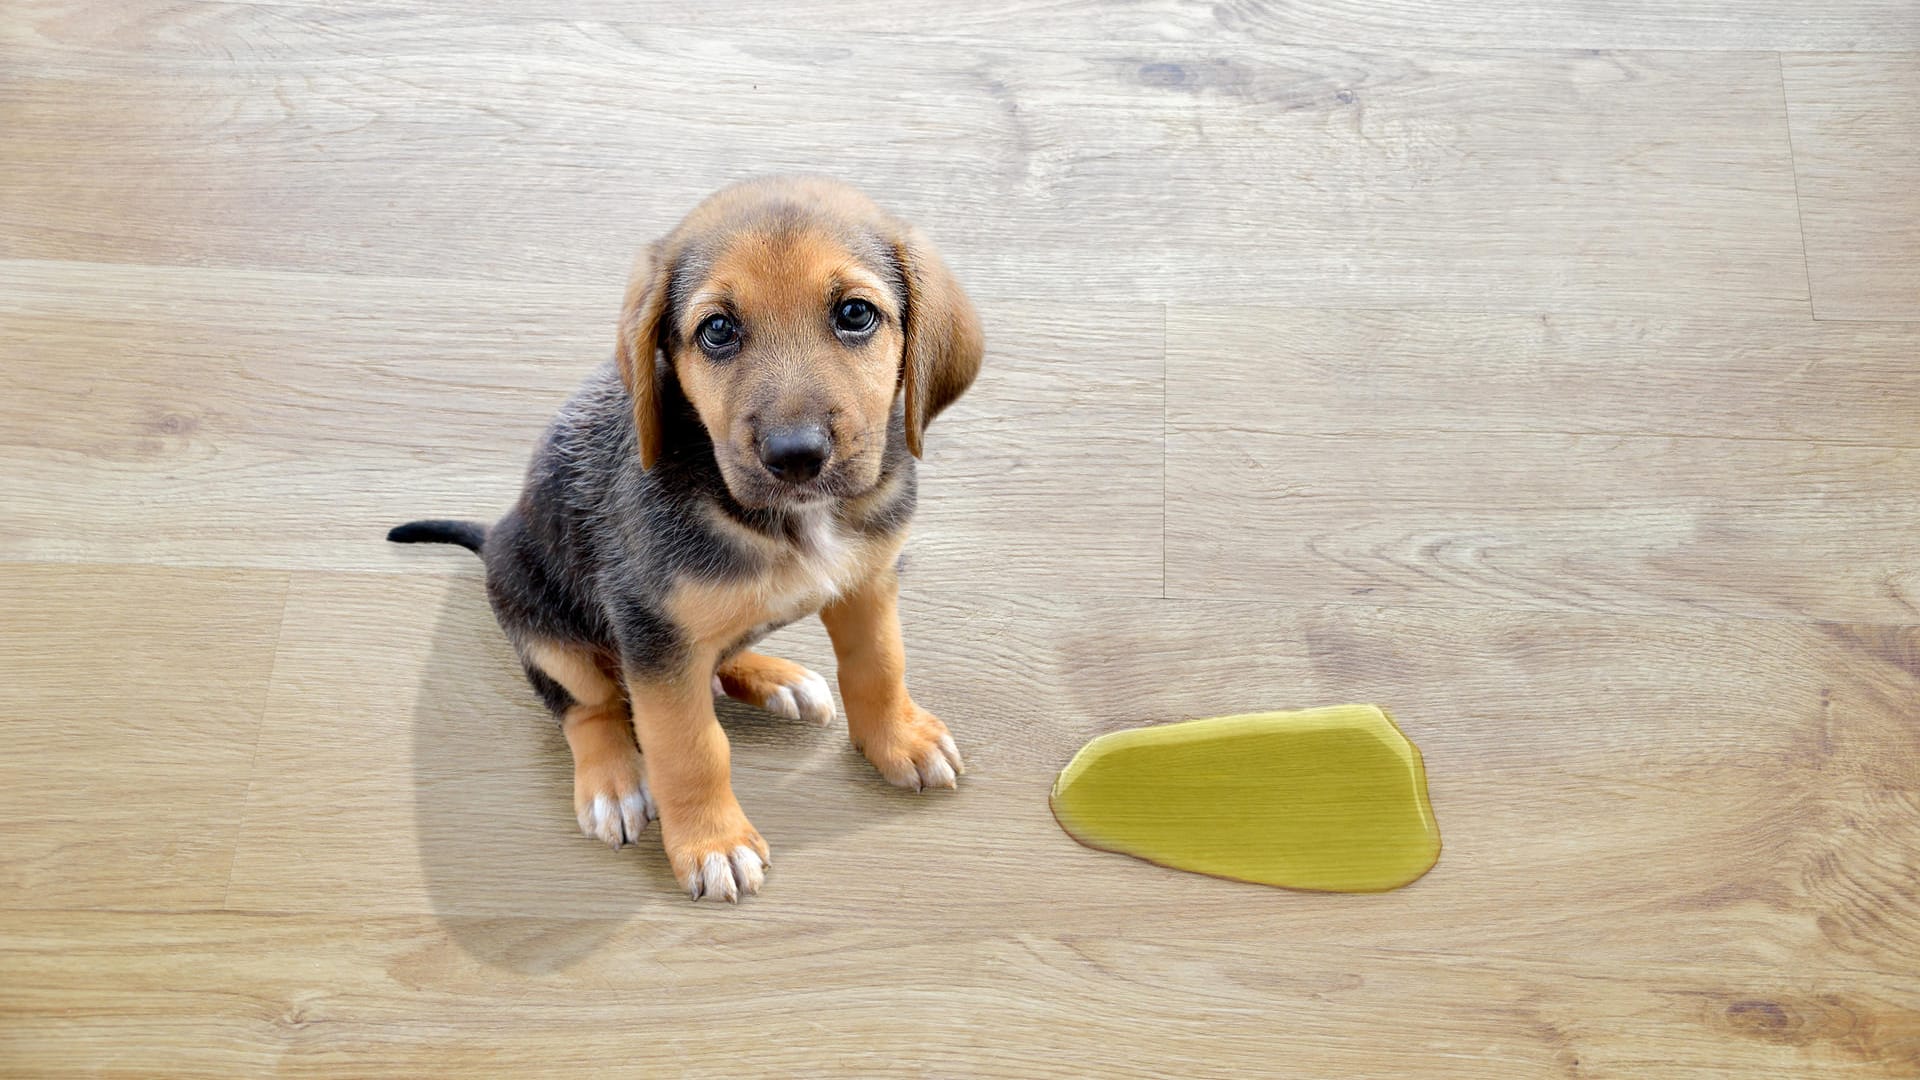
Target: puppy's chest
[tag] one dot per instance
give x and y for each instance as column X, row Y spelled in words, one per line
column 820, row 561
column 817, row 562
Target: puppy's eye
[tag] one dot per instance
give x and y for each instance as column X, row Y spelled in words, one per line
column 718, row 333
column 855, row 317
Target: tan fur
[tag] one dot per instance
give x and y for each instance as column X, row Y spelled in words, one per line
column 606, row 763
column 905, row 742
column 686, row 750
column 781, row 283
column 688, row 763
column 717, row 614
column 932, row 351
column 598, row 728
column 639, row 331
column 943, row 339
column 575, row 669
column 785, row 286
column 753, row 677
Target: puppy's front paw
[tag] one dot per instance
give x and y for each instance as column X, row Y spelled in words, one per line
column 610, row 798
column 723, row 859
column 806, row 698
column 781, row 687
column 913, row 750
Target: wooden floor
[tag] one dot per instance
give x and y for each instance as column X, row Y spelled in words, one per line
column 1551, row 377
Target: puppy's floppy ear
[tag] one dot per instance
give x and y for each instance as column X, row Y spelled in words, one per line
column 943, row 346
column 640, row 342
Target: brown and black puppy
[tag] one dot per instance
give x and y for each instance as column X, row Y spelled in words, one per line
column 746, row 460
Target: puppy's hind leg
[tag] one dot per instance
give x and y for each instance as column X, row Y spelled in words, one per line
column 610, row 797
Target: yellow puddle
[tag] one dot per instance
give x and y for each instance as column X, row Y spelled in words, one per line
column 1332, row 800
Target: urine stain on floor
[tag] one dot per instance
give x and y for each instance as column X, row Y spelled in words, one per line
column 1328, row 800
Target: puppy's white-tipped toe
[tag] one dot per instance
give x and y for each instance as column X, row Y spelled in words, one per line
column 602, row 822
column 952, row 753
column 635, row 812
column 815, row 700
column 781, row 703
column 715, row 875
column 937, row 773
column 749, row 871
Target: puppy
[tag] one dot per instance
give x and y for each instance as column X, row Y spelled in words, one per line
column 747, row 459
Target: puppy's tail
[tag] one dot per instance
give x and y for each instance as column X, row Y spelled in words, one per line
column 468, row 534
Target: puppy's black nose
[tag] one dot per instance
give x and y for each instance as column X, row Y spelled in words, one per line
column 795, row 454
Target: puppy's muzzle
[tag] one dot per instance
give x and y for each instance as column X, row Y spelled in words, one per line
column 797, row 453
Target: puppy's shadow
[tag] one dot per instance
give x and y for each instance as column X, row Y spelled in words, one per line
column 507, row 871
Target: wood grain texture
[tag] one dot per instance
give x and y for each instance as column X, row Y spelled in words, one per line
column 236, row 440
column 133, row 703
column 1557, row 463
column 1456, row 359
column 307, row 996
column 1481, row 178
column 1757, row 809
column 1856, row 151
column 1654, row 866
column 1412, row 374
column 1857, row 25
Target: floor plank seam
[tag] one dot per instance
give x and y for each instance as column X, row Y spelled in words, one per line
column 1075, row 43
column 1164, row 450
column 1407, row 953
column 987, row 594
column 598, row 285
column 1563, row 611
column 259, row 734
column 1541, row 433
column 1793, row 165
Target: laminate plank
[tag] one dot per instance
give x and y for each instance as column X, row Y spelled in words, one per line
column 271, row 419
column 1611, row 790
column 1854, row 26
column 133, row 703
column 1594, row 464
column 1856, row 150
column 397, row 996
column 305, row 138
column 1409, row 374
column 1600, row 523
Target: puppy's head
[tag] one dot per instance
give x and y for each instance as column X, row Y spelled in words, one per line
column 791, row 313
